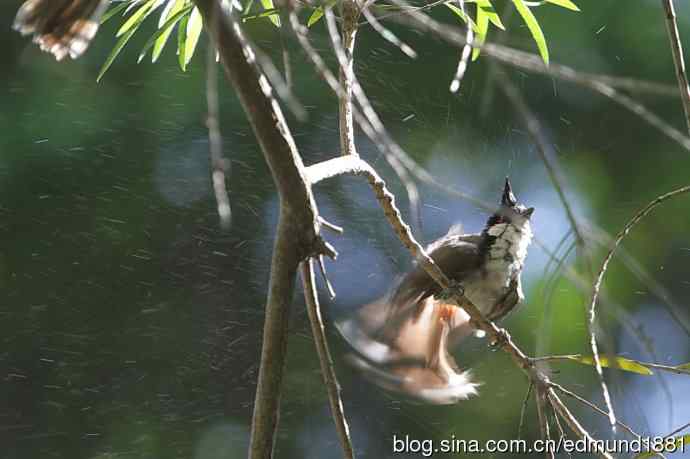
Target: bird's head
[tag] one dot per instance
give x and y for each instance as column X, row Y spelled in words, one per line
column 510, row 211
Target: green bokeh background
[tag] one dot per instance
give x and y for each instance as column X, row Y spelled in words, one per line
column 130, row 323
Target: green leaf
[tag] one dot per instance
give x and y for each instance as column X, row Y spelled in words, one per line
column 565, row 4
column 534, row 28
column 620, row 363
column 194, row 27
column 159, row 39
column 489, row 10
column 482, row 28
column 116, row 50
column 680, row 444
column 136, row 18
column 179, row 9
column 113, row 11
column 182, row 43
column 315, row 16
column 466, row 19
column 268, row 5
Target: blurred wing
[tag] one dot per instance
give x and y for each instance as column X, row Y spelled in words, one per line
column 402, row 340
column 61, row 27
column 414, row 360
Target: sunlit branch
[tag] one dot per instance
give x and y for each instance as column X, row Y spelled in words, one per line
column 219, row 164
column 466, row 51
column 382, row 138
column 385, row 32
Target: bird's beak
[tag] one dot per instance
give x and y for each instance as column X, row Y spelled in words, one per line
column 528, row 212
column 508, row 199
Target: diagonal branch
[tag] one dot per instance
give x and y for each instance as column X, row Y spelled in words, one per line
column 574, row 424
column 325, row 360
column 678, row 61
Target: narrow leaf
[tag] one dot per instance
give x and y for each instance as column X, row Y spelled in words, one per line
column 482, row 29
column 116, row 50
column 135, row 18
column 113, row 11
column 620, row 363
column 315, row 16
column 494, row 18
column 565, row 4
column 534, row 28
column 175, row 14
column 159, row 39
column 466, row 19
column 194, row 26
column 182, row 43
column 268, row 5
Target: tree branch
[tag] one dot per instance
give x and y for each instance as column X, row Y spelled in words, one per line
column 329, row 378
column 297, row 235
column 678, row 61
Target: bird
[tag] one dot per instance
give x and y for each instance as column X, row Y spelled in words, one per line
column 61, row 27
column 402, row 341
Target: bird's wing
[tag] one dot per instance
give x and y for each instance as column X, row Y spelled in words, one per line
column 61, row 27
column 457, row 256
column 414, row 360
column 402, row 340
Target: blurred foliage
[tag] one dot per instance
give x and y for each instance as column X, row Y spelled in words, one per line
column 131, row 323
column 184, row 15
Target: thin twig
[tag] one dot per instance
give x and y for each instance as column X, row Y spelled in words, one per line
column 561, row 432
column 543, row 418
column 325, row 360
column 597, row 286
column 524, row 408
column 678, row 61
column 382, row 139
column 584, row 401
column 679, row 429
column 329, row 286
column 466, row 51
column 328, row 225
column 219, row 164
column 350, row 13
column 533, row 63
column 574, row 424
column 385, row 33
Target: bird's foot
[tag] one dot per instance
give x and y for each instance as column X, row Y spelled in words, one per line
column 454, row 290
column 502, row 338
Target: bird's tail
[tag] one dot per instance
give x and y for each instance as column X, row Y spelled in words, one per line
column 61, row 27
column 412, row 357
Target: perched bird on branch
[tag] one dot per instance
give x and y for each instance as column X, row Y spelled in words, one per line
column 61, row 27
column 402, row 341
